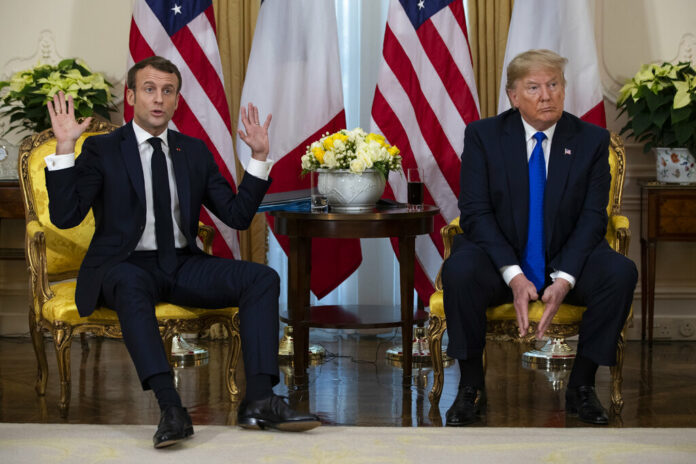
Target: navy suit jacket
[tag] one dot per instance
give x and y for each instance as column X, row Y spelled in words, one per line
column 494, row 196
column 108, row 178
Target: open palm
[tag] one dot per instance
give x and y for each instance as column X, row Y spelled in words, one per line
column 65, row 127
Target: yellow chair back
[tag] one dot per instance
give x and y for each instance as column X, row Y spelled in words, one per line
column 65, row 248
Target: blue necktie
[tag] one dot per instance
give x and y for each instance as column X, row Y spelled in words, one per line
column 533, row 259
column 164, row 226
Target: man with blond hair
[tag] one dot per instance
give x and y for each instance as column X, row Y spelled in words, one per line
column 534, row 190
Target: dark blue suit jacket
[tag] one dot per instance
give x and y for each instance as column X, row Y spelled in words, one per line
column 108, row 178
column 494, row 193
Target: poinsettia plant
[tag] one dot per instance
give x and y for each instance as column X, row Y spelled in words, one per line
column 660, row 101
column 23, row 98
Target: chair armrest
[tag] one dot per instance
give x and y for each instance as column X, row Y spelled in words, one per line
column 38, row 269
column 206, row 234
column 448, row 232
column 618, row 233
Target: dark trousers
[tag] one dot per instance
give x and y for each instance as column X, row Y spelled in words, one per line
column 471, row 284
column 133, row 287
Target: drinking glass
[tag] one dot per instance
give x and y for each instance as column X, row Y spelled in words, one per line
column 319, row 201
column 414, row 177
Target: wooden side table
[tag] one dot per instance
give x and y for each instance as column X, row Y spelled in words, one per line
column 11, row 207
column 300, row 227
column 668, row 213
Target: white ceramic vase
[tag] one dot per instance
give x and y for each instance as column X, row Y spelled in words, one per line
column 675, row 165
column 350, row 192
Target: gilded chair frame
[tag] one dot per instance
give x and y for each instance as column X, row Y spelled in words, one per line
column 172, row 319
column 505, row 329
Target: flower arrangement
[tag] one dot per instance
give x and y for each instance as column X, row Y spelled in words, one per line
column 354, row 150
column 24, row 100
column 660, row 101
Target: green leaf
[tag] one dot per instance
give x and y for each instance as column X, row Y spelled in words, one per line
column 641, row 122
column 655, row 101
column 681, row 114
column 683, row 132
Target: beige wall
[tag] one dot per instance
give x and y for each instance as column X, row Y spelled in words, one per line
column 629, row 33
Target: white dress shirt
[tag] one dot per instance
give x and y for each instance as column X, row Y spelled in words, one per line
column 148, row 241
column 509, row 272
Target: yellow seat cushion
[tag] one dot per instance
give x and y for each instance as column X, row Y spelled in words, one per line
column 62, row 308
column 566, row 314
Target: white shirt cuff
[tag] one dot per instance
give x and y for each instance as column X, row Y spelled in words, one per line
column 260, row 169
column 509, row 272
column 556, row 274
column 55, row 162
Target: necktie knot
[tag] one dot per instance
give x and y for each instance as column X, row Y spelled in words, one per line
column 539, row 137
column 156, row 143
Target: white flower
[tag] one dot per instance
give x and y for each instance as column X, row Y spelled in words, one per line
column 306, row 162
column 357, row 166
column 330, row 160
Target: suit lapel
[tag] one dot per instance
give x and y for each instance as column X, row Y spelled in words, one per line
column 563, row 149
column 131, row 156
column 178, row 157
column 515, row 159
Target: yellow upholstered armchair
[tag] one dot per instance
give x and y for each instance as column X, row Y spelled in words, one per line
column 502, row 323
column 54, row 257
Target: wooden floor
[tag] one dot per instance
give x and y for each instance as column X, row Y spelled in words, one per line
column 354, row 386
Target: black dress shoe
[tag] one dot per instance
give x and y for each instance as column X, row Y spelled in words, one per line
column 467, row 407
column 174, row 426
column 583, row 401
column 273, row 412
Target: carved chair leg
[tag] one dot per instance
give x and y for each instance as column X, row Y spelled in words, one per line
column 617, row 401
column 436, row 328
column 62, row 338
column 83, row 342
column 37, row 340
column 233, row 358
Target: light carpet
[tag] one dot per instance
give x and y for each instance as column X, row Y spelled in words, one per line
column 76, row 444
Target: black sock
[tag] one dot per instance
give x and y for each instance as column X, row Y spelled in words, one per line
column 472, row 372
column 163, row 386
column 258, row 387
column 583, row 372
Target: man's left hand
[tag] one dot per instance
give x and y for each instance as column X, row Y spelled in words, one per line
column 553, row 297
column 255, row 135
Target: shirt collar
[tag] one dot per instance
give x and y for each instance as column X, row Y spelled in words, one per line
column 530, row 131
column 142, row 136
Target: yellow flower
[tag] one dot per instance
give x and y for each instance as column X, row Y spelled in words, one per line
column 318, row 154
column 393, row 151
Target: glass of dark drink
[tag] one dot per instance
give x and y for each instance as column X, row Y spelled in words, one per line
column 414, row 177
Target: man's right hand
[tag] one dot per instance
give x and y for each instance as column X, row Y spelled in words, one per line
column 65, row 127
column 523, row 291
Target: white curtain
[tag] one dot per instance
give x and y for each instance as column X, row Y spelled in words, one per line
column 361, row 26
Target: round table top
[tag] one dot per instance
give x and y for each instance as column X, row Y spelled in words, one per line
column 376, row 213
column 378, row 222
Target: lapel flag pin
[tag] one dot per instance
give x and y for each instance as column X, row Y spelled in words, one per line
column 178, row 149
column 567, row 152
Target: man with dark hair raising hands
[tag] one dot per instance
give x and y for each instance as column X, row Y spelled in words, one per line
column 145, row 184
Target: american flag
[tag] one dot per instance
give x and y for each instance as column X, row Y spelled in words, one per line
column 294, row 73
column 184, row 33
column 425, row 97
column 566, row 28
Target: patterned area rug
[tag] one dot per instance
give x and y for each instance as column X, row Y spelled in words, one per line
column 75, row 444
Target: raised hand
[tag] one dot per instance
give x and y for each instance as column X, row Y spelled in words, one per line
column 255, row 135
column 65, row 127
